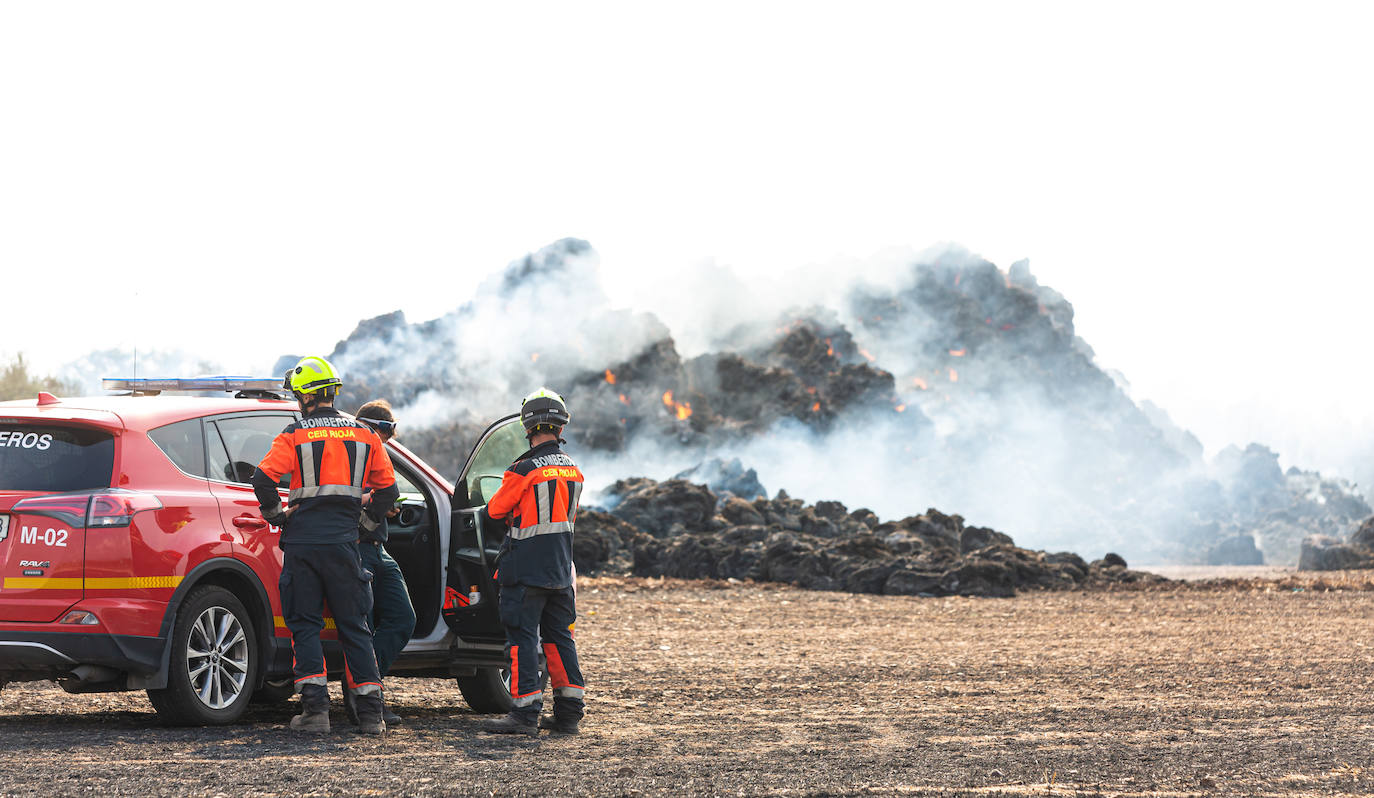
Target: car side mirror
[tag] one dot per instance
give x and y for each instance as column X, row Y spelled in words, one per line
column 486, row 487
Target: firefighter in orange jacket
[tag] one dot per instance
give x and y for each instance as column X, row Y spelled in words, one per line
column 539, row 495
column 331, row 459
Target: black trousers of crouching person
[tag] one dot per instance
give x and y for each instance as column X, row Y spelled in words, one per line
column 529, row 613
column 311, row 575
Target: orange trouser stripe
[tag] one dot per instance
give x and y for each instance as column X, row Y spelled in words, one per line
column 558, row 675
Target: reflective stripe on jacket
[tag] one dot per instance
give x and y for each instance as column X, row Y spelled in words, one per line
column 539, row 495
column 332, row 460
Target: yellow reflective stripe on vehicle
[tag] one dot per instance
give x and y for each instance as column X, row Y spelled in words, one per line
column 42, row 583
column 115, row 583
column 280, row 622
column 103, row 583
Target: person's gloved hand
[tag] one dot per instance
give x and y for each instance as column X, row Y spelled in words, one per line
column 278, row 517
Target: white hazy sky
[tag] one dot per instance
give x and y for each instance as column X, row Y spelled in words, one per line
column 249, row 179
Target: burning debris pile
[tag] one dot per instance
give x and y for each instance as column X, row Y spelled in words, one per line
column 681, row 529
column 1327, row 553
column 1276, row 509
column 952, row 384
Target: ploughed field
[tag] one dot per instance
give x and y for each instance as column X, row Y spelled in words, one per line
column 1258, row 686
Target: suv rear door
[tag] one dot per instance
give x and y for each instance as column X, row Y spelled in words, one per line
column 47, row 475
column 235, row 444
column 474, row 540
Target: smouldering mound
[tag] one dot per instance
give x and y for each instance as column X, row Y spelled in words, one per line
column 952, row 384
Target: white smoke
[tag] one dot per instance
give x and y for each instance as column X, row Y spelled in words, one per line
column 541, row 321
column 1002, row 415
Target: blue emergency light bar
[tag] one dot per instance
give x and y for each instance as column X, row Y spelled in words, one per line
column 144, row 385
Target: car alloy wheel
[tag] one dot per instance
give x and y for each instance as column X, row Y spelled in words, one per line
column 214, row 663
column 217, row 657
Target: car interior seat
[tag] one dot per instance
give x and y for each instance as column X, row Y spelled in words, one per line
column 254, row 448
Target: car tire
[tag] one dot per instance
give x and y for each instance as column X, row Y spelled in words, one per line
column 213, row 664
column 488, row 690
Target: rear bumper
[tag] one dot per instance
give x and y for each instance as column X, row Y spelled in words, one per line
column 27, row 655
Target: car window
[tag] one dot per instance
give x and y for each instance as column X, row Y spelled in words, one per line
column 184, row 444
column 403, row 483
column 493, row 456
column 218, row 466
column 55, row 458
column 246, row 441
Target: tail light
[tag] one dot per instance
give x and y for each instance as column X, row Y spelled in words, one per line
column 112, row 508
column 69, row 508
column 118, row 507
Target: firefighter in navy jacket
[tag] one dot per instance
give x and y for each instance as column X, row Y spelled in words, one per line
column 538, row 496
column 332, row 459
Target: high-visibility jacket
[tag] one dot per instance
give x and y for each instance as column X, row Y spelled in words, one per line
column 332, row 460
column 539, row 494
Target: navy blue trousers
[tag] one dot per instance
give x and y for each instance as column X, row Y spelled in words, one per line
column 393, row 616
column 528, row 614
column 310, row 576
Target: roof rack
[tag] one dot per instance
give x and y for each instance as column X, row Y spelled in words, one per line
column 246, row 387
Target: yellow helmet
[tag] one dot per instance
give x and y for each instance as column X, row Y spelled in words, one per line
column 311, row 375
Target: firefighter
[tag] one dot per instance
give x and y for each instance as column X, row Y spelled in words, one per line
column 393, row 616
column 329, row 458
column 538, row 496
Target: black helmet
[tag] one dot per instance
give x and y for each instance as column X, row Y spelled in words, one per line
column 544, row 411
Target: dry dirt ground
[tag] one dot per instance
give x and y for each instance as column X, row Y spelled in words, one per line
column 1257, row 686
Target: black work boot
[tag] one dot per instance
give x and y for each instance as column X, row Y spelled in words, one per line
column 370, row 714
column 512, row 724
column 556, row 726
column 314, row 717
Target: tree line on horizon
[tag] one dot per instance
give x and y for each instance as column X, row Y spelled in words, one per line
column 16, row 382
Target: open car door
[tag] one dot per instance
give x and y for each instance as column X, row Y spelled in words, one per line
column 470, row 593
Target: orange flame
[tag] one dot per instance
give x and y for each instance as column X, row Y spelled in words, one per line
column 534, row 358
column 682, row 409
column 864, row 352
column 952, row 353
column 829, row 349
column 811, row 390
column 623, row 400
column 900, row 408
column 610, row 377
column 920, row 383
column 815, row 407
column 953, row 375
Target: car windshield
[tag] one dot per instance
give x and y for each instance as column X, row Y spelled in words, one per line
column 49, row 458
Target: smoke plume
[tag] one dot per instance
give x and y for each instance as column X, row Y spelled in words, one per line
column 940, row 381
column 946, row 382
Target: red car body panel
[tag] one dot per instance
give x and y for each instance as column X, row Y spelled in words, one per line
column 102, row 573
column 127, row 575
